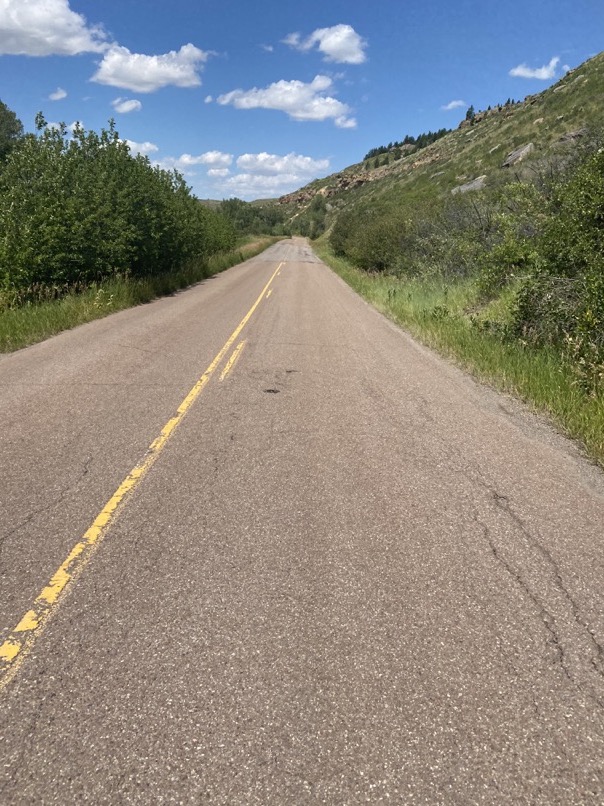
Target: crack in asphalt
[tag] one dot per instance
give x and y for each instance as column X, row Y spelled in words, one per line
column 545, row 616
column 503, row 504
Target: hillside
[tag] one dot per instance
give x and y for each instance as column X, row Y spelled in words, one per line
column 488, row 245
column 545, row 124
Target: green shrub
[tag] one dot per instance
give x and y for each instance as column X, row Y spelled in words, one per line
column 77, row 209
column 563, row 302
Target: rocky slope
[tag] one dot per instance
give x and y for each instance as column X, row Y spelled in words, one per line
column 505, row 137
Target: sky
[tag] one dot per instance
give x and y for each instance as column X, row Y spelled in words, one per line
column 255, row 98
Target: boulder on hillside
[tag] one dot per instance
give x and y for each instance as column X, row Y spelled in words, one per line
column 475, row 184
column 518, row 155
column 570, row 137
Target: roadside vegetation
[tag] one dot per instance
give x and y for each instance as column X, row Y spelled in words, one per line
column 438, row 313
column 508, row 281
column 534, row 252
column 503, row 272
column 87, row 228
column 33, row 321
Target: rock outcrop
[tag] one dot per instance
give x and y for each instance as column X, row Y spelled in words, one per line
column 570, row 137
column 518, row 155
column 475, row 184
column 340, row 183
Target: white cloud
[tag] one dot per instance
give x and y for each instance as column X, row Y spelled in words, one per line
column 298, row 100
column 57, row 95
column 267, row 48
column 218, row 172
column 208, row 99
column 340, row 44
column 141, row 73
column 545, row 73
column 46, row 28
column 125, row 105
column 145, row 148
column 252, row 186
column 454, row 105
column 219, row 158
column 186, row 162
column 266, row 175
column 273, row 164
column 343, row 122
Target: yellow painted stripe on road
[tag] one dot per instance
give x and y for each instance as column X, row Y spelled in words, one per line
column 15, row 648
column 233, row 359
column 9, row 650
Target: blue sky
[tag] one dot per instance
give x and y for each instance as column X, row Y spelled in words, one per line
column 255, row 99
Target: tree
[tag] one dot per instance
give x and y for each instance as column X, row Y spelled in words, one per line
column 76, row 209
column 11, row 130
column 471, row 114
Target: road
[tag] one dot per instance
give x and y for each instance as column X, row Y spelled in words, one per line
column 259, row 546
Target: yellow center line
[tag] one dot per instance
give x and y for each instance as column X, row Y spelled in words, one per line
column 20, row 641
column 232, row 360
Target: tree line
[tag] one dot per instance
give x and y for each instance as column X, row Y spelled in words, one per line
column 419, row 142
column 254, row 218
column 78, row 207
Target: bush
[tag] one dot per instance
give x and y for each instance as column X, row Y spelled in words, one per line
column 563, row 303
column 369, row 237
column 76, row 210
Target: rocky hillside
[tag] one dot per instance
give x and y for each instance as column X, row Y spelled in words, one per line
column 511, row 137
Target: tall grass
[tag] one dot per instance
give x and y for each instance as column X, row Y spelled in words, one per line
column 52, row 310
column 441, row 316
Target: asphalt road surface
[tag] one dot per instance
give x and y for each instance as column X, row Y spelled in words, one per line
column 258, row 546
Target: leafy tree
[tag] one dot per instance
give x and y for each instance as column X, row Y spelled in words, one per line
column 11, row 130
column 248, row 218
column 76, row 209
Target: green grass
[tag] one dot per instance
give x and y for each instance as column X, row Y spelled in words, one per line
column 34, row 322
column 440, row 316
